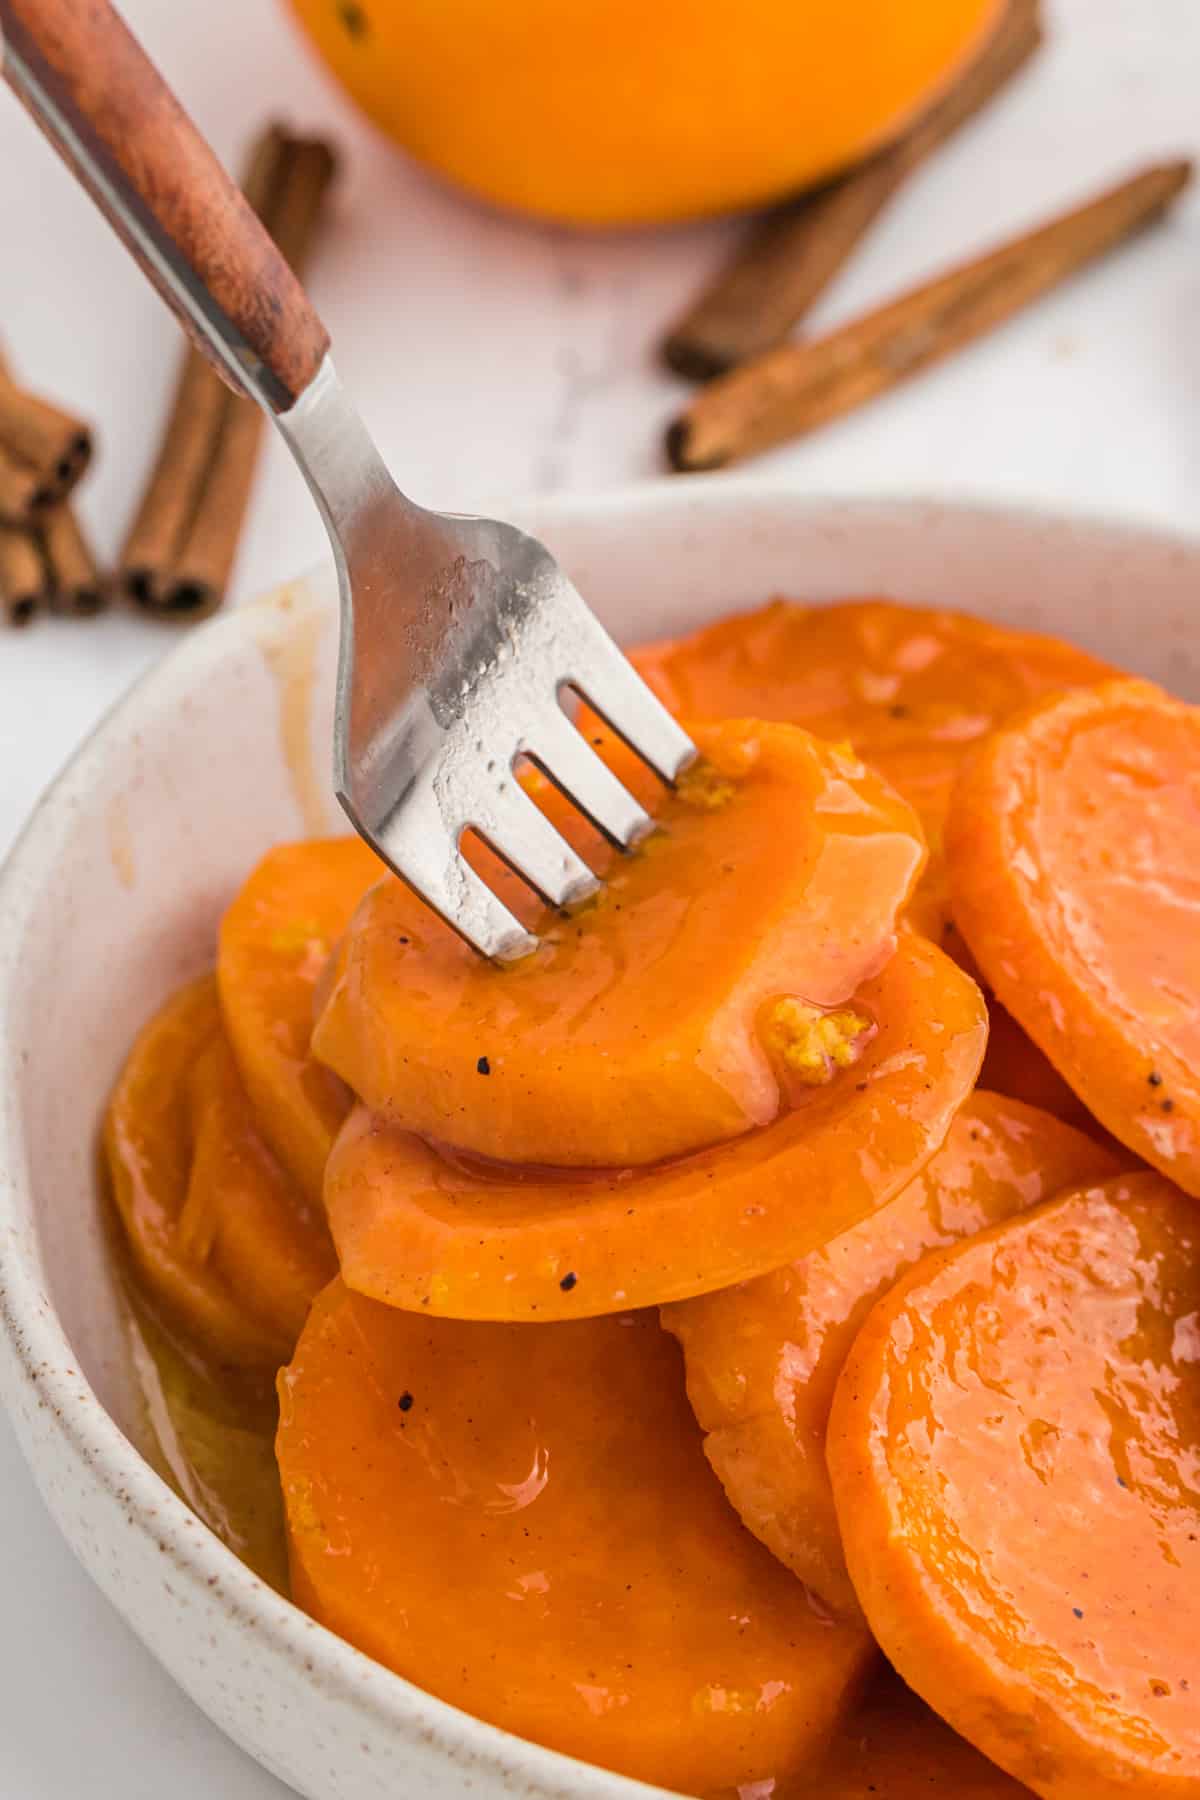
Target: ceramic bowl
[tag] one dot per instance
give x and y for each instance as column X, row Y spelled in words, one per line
column 112, row 897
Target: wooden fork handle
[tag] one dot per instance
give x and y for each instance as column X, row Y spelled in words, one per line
column 111, row 116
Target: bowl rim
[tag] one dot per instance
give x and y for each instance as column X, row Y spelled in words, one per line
column 40, row 1349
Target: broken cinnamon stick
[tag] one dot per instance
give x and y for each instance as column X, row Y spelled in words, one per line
column 180, row 548
column 23, row 577
column 76, row 588
column 791, row 256
column 791, row 390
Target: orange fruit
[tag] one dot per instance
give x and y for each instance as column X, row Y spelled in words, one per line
column 612, row 112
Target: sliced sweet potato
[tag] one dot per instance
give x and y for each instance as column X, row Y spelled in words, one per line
column 1015, row 1066
column 895, row 1748
column 1074, row 851
column 244, row 1216
column 221, row 1237
column 778, row 869
column 421, row 1229
column 763, row 1358
column 911, row 687
column 1015, row 1454
column 275, row 941
column 520, row 1519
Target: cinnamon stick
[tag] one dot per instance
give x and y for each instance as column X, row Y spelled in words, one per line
column 54, row 445
column 18, row 488
column 790, row 257
column 76, row 588
column 793, row 389
column 50, row 447
column 205, row 554
column 172, row 495
column 180, row 548
column 23, row 578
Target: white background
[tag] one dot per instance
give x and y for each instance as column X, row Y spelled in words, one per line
column 491, row 356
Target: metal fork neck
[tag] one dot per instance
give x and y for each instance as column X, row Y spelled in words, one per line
column 336, row 454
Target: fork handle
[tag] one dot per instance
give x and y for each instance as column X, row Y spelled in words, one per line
column 95, row 93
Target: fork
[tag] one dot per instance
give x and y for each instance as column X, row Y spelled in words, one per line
column 460, row 636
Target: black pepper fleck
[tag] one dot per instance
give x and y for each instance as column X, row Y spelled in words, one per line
column 483, row 1066
column 1154, row 1078
column 1078, row 1611
column 353, row 18
column 1168, row 1106
column 405, row 1401
column 568, row 1282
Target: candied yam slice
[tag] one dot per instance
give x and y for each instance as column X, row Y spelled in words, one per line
column 1015, row 1066
column 778, row 869
column 520, row 1519
column 763, row 1358
column 275, row 941
column 1015, row 1455
column 911, row 687
column 896, row 1748
column 422, row 1229
column 220, row 1236
column 1074, row 850
column 244, row 1215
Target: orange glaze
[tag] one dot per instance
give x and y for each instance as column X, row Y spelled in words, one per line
column 1074, row 855
column 911, row 687
column 521, row 1519
column 895, row 1748
column 1015, row 1455
column 275, row 942
column 763, row 1358
column 778, row 868
column 419, row 1229
column 1014, row 1065
column 723, row 1072
column 218, row 1233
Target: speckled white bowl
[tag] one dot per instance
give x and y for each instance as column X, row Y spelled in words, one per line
column 112, row 897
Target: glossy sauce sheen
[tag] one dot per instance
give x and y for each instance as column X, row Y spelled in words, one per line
column 1015, row 1453
column 895, row 1748
column 778, row 869
column 418, row 1228
column 503, row 1491
column 275, row 943
column 911, row 687
column 543, row 1487
column 763, row 1358
column 220, row 1236
column 1074, row 848
column 210, row 1433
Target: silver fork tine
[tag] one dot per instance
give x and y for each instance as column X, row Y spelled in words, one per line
column 422, row 848
column 456, row 631
column 515, row 828
column 617, row 692
column 564, row 755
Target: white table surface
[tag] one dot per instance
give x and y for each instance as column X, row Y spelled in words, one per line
column 491, row 356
